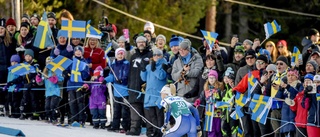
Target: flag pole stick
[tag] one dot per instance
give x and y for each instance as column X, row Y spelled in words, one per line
column 93, row 82
column 3, row 84
column 263, row 41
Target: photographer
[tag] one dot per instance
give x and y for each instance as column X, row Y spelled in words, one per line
column 109, row 37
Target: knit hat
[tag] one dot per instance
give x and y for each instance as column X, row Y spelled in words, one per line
column 185, row 44
column 36, row 16
column 149, row 24
column 272, row 67
column 11, row 21
column 283, row 42
column 122, row 39
column 174, row 42
column 239, row 49
column 98, row 71
column 316, row 78
column 157, row 51
column 213, row 73
column 120, row 50
column 314, row 64
column 161, row 36
column 309, row 76
column 25, row 15
column 3, row 22
column 78, row 48
column 283, row 59
column 294, row 72
column 248, row 42
column 25, row 24
column 263, row 58
column 315, row 51
column 29, row 52
column 15, row 58
column 51, row 15
column 147, row 31
column 60, row 32
column 251, row 52
column 141, row 38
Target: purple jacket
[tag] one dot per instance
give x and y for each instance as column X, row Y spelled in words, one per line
column 98, row 96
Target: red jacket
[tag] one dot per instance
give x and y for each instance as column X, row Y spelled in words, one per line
column 301, row 113
column 96, row 56
column 243, row 84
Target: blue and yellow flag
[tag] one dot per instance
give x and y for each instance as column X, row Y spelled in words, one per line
column 210, row 37
column 271, row 28
column 241, row 100
column 252, row 83
column 22, row 69
column 240, row 132
column 318, row 96
column 237, row 113
column 73, row 29
column 77, row 67
column 92, row 32
column 220, row 104
column 260, row 106
column 295, row 56
column 59, row 64
column 44, row 33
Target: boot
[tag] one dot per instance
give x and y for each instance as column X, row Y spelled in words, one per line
column 103, row 126
column 96, row 126
column 2, row 110
column 22, row 116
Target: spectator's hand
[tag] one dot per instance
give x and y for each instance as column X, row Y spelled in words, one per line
column 101, row 79
column 56, row 51
column 38, row 79
column 127, row 46
column 53, row 79
column 85, row 86
column 90, row 65
column 255, row 44
column 69, row 48
column 141, row 66
column 264, row 78
column 186, row 68
column 165, row 67
column 197, row 103
column 234, row 41
column 153, row 65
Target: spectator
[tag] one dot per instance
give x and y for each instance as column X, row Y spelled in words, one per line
column 250, row 57
column 283, row 49
column 11, row 26
column 160, row 44
column 271, row 47
column 94, row 54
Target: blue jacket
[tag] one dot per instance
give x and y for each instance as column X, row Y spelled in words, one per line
column 63, row 52
column 314, row 111
column 52, row 89
column 286, row 113
column 121, row 69
column 155, row 81
column 11, row 77
column 84, row 75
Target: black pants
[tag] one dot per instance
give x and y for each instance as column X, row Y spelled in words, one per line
column 246, row 123
column 136, row 120
column 3, row 79
column 13, row 100
column 77, row 106
column 303, row 130
column 64, row 101
column 156, row 117
column 121, row 111
column 29, row 99
column 52, row 102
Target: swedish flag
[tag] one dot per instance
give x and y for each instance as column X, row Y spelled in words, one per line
column 295, row 56
column 260, row 106
column 252, row 83
column 73, row 29
column 210, row 38
column 22, row 69
column 220, row 104
column 240, row 132
column 271, row 28
column 237, row 113
column 318, row 96
column 93, row 32
column 44, row 33
column 241, row 100
column 59, row 64
column 77, row 67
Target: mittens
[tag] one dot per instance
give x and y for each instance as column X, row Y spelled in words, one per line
column 69, row 48
column 56, row 51
column 197, row 103
column 53, row 79
column 101, row 79
column 85, row 86
column 38, row 79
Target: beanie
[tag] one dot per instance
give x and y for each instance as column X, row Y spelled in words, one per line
column 213, row 73
column 98, row 71
column 51, row 15
column 174, row 42
column 185, row 44
column 3, row 22
column 263, row 58
column 147, row 31
column 251, row 52
column 294, row 72
column 316, row 78
column 78, row 48
column 272, row 67
column 239, row 49
column 314, row 64
column 29, row 52
column 309, row 76
column 60, row 34
column 141, row 38
column 283, row 59
column 25, row 24
column 161, row 36
column 157, row 51
column 25, row 15
column 149, row 25
column 283, row 42
column 11, row 21
column 15, row 58
column 248, row 42
column 119, row 50
column 122, row 39
column 36, row 16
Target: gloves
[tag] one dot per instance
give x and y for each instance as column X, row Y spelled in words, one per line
column 187, row 95
column 56, row 51
column 165, row 67
column 38, row 79
column 119, row 81
column 85, row 86
column 104, row 82
column 164, row 127
column 289, row 102
column 127, row 46
column 141, row 66
column 153, row 66
column 69, row 48
column 197, row 103
column 101, row 79
column 5, row 88
column 53, row 79
column 21, row 48
column 106, row 71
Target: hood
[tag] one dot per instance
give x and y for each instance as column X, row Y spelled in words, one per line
column 306, row 42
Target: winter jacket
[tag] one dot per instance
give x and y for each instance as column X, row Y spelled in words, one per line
column 135, row 81
column 306, row 44
column 5, row 54
column 96, row 55
column 27, row 80
column 286, row 113
column 98, row 95
column 242, row 72
column 195, row 64
column 84, row 75
column 63, row 52
column 121, row 70
column 301, row 113
column 27, row 43
column 314, row 110
column 155, row 81
column 232, row 67
column 11, row 77
column 52, row 89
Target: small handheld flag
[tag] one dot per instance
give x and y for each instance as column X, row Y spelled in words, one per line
column 318, row 96
column 210, row 38
column 93, row 32
column 271, row 28
column 241, row 100
column 44, row 33
column 22, row 69
column 73, row 29
column 260, row 106
column 59, row 64
column 252, row 83
column 77, row 67
column 296, row 54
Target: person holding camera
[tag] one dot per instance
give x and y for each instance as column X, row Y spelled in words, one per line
column 313, row 118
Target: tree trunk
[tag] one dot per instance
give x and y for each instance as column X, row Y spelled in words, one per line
column 211, row 17
column 227, row 6
column 243, row 23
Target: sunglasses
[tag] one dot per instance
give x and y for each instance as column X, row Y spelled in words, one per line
column 280, row 47
column 157, row 55
column 259, row 62
column 280, row 63
column 249, row 58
